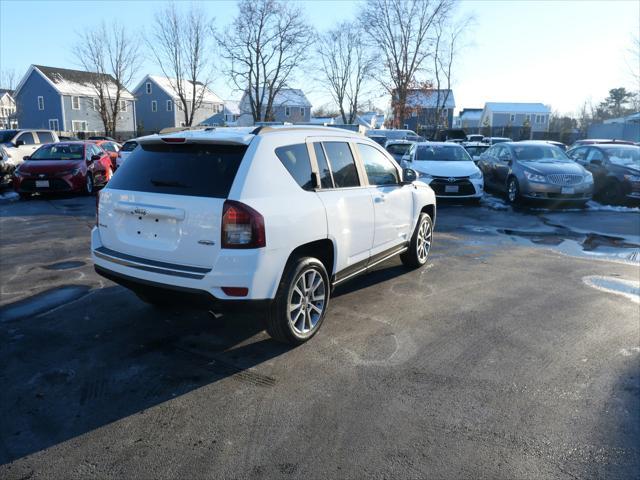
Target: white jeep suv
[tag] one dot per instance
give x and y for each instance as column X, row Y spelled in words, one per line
column 272, row 216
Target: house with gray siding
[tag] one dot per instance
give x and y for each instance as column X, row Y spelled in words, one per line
column 7, row 110
column 514, row 119
column 227, row 118
column 158, row 104
column 66, row 100
column 422, row 107
column 469, row 119
column 290, row 105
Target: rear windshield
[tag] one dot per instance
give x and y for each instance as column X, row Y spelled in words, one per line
column 129, row 146
column 199, row 170
column 399, row 148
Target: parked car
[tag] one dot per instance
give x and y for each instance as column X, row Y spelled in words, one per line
column 475, row 149
column 535, row 171
column 615, row 169
column 450, row 135
column 65, row 138
column 17, row 144
column 494, row 140
column 474, row 137
column 447, row 168
column 63, row 167
column 560, row 145
column 123, row 153
column 598, row 141
column 395, row 134
column 190, row 215
column 102, row 137
column 398, row 148
column 379, row 139
column 112, row 148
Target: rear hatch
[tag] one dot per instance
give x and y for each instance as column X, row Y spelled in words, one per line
column 165, row 202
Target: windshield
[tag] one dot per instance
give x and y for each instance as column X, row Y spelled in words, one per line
column 7, row 135
column 398, row 148
column 442, row 153
column 477, row 150
column 539, row 152
column 624, row 156
column 59, row 152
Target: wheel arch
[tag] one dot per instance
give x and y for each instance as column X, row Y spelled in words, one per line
column 322, row 249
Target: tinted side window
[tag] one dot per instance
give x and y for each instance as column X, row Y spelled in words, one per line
column 109, row 147
column 201, row 170
column 323, row 166
column 45, row 137
column 295, row 159
column 579, row 155
column 129, row 146
column 342, row 164
column 27, row 138
column 379, row 169
column 594, row 154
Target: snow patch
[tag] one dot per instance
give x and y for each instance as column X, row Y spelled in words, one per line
column 8, row 197
column 599, row 207
column 625, row 288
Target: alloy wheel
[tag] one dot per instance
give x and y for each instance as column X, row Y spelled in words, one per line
column 306, row 302
column 424, row 240
column 89, row 185
column 513, row 191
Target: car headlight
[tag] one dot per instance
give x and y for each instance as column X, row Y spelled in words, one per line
column 75, row 171
column 588, row 177
column 476, row 176
column 632, row 178
column 424, row 177
column 534, row 177
column 18, row 173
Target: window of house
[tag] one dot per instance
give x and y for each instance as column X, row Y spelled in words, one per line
column 40, row 103
column 123, row 105
column 54, row 124
column 148, row 88
column 342, row 164
column 325, row 173
column 180, row 106
column 96, row 104
column 75, row 103
column 154, row 106
column 302, row 111
column 379, row 169
column 527, row 118
column 220, row 108
column 169, row 106
column 287, row 111
column 414, row 113
column 512, row 118
column 79, row 126
column 295, row 159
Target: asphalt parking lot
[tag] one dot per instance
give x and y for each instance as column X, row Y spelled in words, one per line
column 513, row 354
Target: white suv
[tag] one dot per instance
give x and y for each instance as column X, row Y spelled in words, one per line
column 274, row 216
column 17, row 144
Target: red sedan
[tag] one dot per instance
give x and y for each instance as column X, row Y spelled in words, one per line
column 63, row 167
column 112, row 148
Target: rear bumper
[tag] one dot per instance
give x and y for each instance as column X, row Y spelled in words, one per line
column 188, row 297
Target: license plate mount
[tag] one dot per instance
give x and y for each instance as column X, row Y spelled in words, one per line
column 451, row 189
column 568, row 190
column 42, row 183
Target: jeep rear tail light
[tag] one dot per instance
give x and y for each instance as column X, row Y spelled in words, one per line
column 242, row 226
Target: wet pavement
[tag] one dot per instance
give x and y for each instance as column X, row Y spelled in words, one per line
column 513, row 354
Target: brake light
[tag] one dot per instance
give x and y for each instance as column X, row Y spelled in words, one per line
column 242, row 226
column 174, row 140
column 97, row 208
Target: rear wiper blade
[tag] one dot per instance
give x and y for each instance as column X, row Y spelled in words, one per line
column 168, row 183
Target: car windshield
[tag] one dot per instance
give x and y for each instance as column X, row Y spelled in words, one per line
column 624, row 156
column 442, row 153
column 476, row 150
column 59, row 152
column 539, row 152
column 7, row 135
column 398, row 148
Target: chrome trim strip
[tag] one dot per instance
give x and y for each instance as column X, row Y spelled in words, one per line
column 146, row 268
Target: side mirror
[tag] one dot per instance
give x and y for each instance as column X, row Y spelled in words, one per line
column 95, row 158
column 19, row 143
column 409, row 175
column 26, row 157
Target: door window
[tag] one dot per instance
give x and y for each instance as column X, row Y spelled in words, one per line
column 27, row 138
column 45, row 137
column 343, row 166
column 579, row 155
column 295, row 159
column 595, row 154
column 379, row 169
column 323, row 167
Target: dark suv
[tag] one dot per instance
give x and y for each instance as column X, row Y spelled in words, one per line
column 615, row 169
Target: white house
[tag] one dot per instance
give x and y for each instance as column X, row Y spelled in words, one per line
column 7, row 110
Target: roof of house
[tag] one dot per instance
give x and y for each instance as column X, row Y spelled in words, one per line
column 633, row 118
column 430, row 99
column 6, row 90
column 169, row 85
column 73, row 82
column 514, row 107
column 291, row 97
column 231, row 107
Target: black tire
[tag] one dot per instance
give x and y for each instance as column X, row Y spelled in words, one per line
column 513, row 197
column 284, row 324
column 416, row 256
column 612, row 193
column 89, row 186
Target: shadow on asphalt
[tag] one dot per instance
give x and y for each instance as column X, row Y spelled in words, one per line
column 77, row 368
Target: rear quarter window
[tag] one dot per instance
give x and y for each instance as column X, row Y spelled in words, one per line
column 200, row 170
column 295, row 159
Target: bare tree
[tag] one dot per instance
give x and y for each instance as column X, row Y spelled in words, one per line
column 267, row 41
column 346, row 65
column 403, row 30
column 8, row 79
column 445, row 50
column 181, row 44
column 112, row 55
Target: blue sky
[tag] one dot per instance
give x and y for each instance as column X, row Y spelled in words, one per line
column 560, row 53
